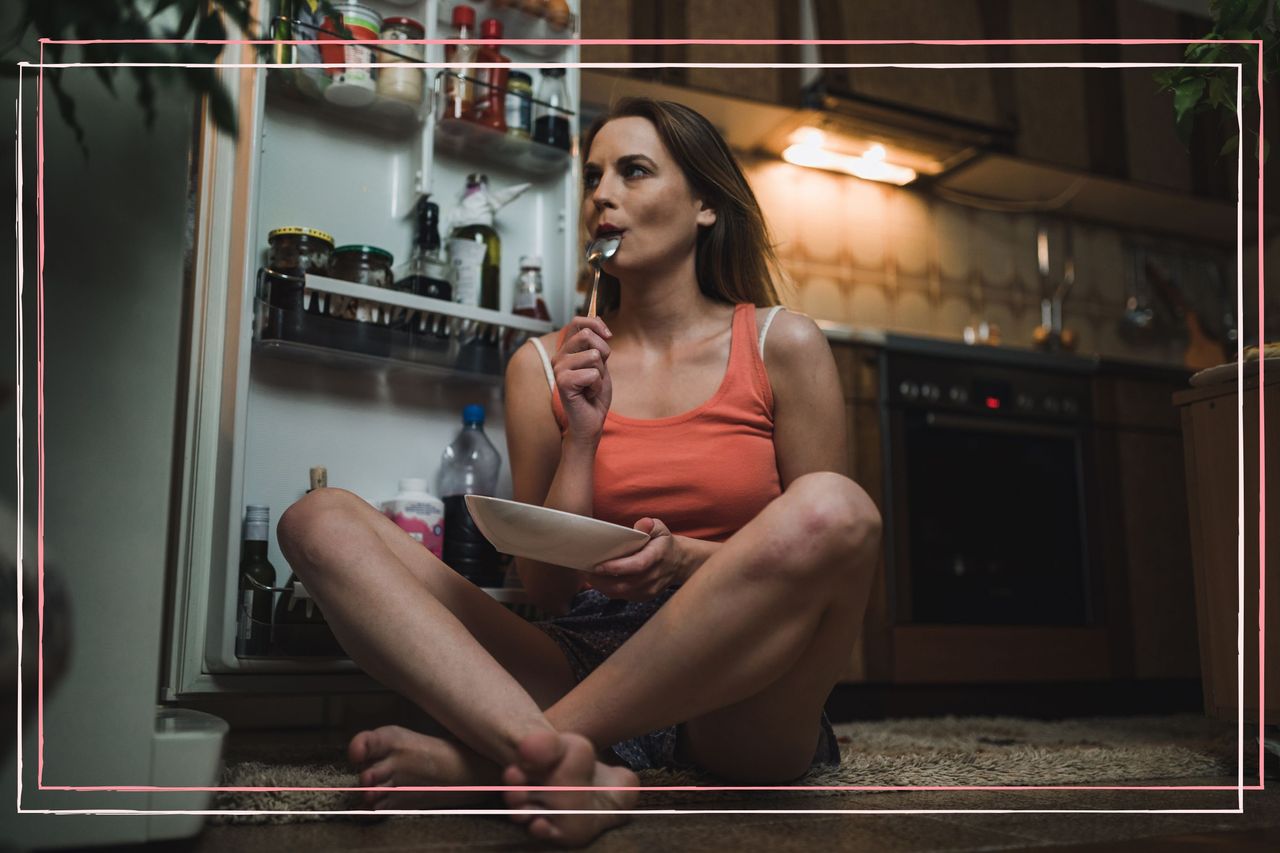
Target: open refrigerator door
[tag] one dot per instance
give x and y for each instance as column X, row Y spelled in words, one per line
column 296, row 365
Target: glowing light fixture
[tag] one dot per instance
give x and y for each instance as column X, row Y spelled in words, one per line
column 809, row 148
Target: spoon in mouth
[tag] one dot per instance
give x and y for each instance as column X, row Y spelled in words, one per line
column 600, row 250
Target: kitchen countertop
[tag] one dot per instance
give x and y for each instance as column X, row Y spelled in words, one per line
column 1003, row 354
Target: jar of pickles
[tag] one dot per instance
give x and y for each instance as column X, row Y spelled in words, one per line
column 360, row 264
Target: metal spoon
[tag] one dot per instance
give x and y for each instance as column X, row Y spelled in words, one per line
column 598, row 251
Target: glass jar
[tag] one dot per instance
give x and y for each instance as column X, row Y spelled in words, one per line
column 360, row 264
column 294, row 251
column 519, row 105
column 297, row 251
column 551, row 116
column 401, row 82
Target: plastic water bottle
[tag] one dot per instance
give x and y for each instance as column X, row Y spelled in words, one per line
column 469, row 466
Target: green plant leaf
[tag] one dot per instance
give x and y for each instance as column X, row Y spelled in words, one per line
column 1186, row 96
column 1231, row 146
column 1217, row 91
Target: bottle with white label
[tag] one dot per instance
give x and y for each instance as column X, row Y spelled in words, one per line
column 418, row 513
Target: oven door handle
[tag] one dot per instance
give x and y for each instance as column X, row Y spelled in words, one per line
column 934, row 419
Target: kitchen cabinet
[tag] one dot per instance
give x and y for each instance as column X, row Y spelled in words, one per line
column 1227, row 605
column 1144, row 525
column 262, row 408
column 859, row 369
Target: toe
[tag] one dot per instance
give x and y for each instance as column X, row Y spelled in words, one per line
column 541, row 751
column 358, row 749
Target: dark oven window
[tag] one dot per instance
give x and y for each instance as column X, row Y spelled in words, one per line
column 995, row 521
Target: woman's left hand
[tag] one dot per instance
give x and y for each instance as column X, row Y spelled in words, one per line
column 647, row 572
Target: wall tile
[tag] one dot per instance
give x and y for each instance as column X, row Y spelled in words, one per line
column 823, row 216
column 869, row 306
column 952, row 233
column 823, row 297
column 909, row 227
column 912, row 313
column 866, row 234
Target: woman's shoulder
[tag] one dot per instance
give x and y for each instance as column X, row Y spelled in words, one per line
column 793, row 336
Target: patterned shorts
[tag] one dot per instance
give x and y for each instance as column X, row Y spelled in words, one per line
column 594, row 628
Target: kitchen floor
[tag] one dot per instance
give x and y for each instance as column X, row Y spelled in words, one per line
column 1257, row 829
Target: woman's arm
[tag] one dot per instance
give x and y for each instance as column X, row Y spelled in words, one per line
column 808, row 407
column 544, row 471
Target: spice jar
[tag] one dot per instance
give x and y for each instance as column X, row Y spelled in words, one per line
column 519, row 105
column 402, row 82
column 361, row 264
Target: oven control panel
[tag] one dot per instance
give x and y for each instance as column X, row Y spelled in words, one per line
column 990, row 389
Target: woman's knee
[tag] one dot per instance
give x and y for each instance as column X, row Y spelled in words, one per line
column 306, row 525
column 833, row 519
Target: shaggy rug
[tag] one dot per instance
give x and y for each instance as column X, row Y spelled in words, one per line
column 966, row 751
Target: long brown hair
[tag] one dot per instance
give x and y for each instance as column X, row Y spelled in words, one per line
column 735, row 258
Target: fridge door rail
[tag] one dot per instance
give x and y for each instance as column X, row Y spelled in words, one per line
column 339, row 323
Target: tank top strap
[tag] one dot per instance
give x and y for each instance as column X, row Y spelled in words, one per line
column 746, row 365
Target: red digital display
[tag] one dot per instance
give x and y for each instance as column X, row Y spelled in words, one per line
column 993, row 402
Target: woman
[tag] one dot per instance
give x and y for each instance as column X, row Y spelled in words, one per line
column 669, row 414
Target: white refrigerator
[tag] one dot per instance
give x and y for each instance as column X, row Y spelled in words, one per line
column 264, row 405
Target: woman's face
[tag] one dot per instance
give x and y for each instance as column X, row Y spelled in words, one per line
column 631, row 184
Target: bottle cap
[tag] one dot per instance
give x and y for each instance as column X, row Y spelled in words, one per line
column 491, row 28
column 407, row 23
column 413, row 484
column 473, row 414
column 527, row 261
column 464, row 15
column 258, row 513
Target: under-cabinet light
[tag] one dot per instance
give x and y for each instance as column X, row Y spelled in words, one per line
column 810, row 150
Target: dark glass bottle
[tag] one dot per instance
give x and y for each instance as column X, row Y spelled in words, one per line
column 427, row 273
column 551, row 112
column 257, row 577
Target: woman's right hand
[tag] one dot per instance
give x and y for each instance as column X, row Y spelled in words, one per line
column 582, row 378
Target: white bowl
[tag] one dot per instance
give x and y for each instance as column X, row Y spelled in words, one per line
column 552, row 536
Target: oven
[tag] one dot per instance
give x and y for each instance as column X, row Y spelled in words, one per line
column 990, row 494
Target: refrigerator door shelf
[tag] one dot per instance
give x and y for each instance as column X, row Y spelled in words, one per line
column 302, row 89
column 466, row 139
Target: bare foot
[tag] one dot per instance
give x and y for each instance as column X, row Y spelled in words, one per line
column 549, row 758
column 393, row 756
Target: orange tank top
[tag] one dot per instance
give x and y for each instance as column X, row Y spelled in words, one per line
column 704, row 473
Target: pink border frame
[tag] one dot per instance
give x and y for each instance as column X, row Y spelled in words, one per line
column 761, row 42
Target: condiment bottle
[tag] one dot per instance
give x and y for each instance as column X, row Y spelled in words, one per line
column 519, row 103
column 257, row 579
column 459, row 91
column 551, row 113
column 427, row 273
column 491, row 86
column 528, row 301
column 401, row 82
column 474, row 247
